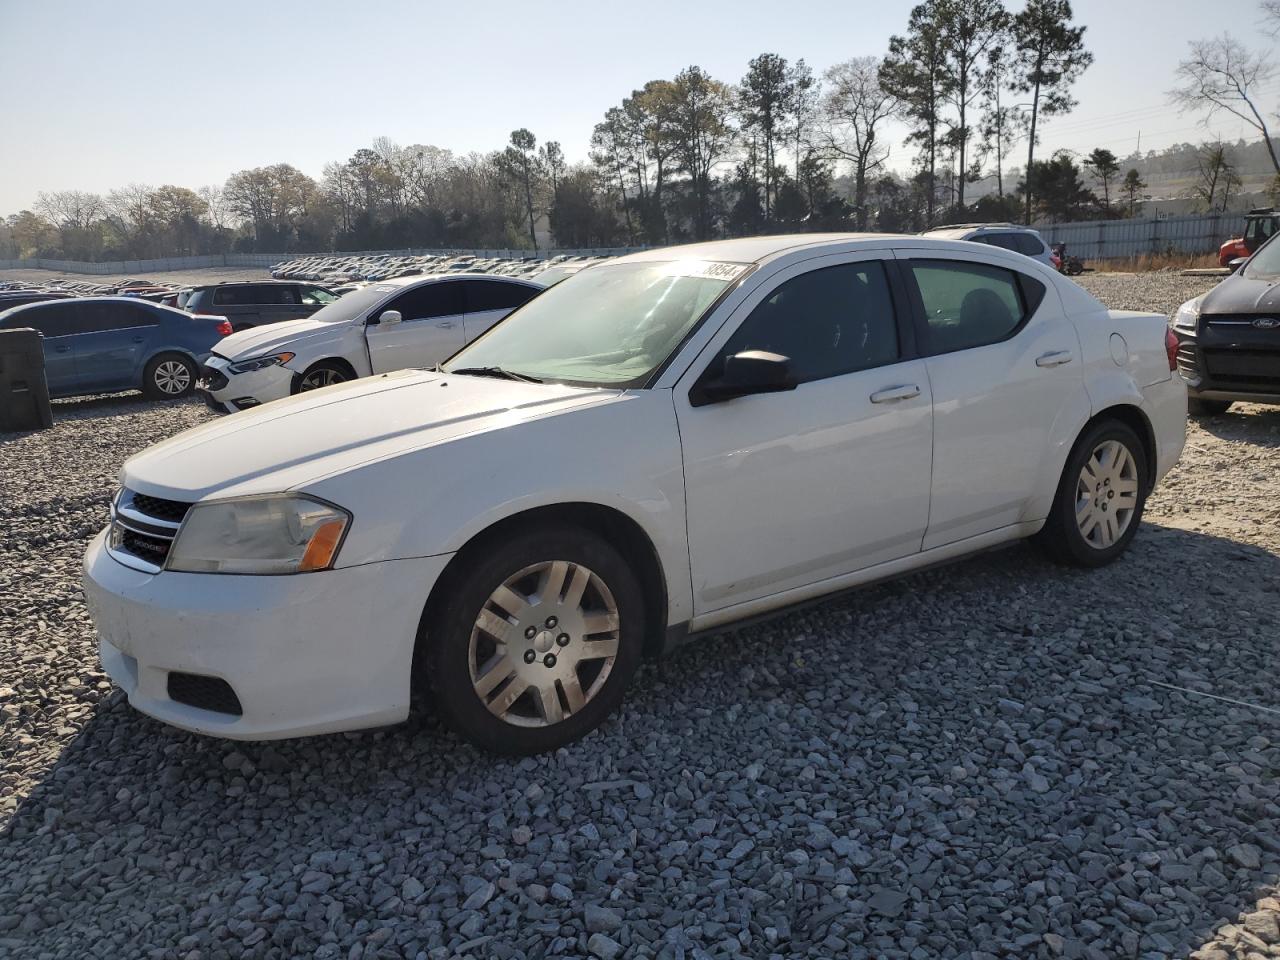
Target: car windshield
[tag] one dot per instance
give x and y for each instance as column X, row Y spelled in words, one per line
column 612, row 325
column 1265, row 262
column 351, row 305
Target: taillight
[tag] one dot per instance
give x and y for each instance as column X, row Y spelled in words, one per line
column 224, row 328
column 1171, row 348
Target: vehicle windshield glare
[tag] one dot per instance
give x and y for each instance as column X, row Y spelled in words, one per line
column 611, row 325
column 1265, row 262
column 351, row 305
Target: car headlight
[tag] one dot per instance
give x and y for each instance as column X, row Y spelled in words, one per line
column 257, row 363
column 1188, row 315
column 281, row 533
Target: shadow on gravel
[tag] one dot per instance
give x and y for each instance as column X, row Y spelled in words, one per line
column 1247, row 423
column 972, row 761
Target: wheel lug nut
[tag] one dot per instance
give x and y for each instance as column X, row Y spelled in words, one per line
column 551, row 622
column 530, row 656
column 563, row 639
column 549, row 659
column 530, row 632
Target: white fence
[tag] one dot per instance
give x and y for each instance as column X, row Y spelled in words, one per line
column 1112, row 239
column 117, row 267
column 1089, row 240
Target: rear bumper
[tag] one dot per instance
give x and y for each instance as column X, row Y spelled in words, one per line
column 1165, row 404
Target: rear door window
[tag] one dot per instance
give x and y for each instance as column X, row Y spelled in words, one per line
column 968, row 305
column 482, row 295
column 102, row 315
column 1029, row 244
column 313, row 296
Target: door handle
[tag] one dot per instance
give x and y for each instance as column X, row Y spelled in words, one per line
column 905, row 391
column 1055, row 359
column 61, row 348
column 446, row 324
column 139, row 339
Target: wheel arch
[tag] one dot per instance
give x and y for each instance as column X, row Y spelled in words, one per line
column 1136, row 420
column 163, row 351
column 613, row 526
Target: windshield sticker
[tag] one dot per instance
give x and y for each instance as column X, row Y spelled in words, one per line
column 709, row 269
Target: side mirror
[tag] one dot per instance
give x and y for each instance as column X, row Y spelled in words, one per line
column 389, row 316
column 1235, row 265
column 745, row 373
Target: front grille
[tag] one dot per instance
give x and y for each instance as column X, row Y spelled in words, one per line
column 144, row 527
column 206, row 693
column 216, row 379
column 1244, row 370
column 171, row 510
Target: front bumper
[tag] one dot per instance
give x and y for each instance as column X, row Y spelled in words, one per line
column 1230, row 361
column 304, row 654
column 229, row 392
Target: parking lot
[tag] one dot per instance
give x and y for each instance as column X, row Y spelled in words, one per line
column 1002, row 758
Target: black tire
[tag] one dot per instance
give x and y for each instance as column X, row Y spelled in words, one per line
column 1207, row 408
column 445, row 644
column 169, row 376
column 1061, row 537
column 332, row 370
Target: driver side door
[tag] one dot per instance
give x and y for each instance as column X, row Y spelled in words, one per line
column 430, row 330
column 788, row 489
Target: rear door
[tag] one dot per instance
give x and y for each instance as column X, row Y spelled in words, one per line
column 112, row 339
column 1008, row 389
column 430, row 329
column 239, row 304
column 488, row 301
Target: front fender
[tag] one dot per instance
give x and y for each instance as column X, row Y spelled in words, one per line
column 623, row 455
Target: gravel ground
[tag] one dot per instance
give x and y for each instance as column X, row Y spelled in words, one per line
column 998, row 759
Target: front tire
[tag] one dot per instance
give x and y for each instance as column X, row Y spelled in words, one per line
column 1100, row 498
column 169, row 376
column 536, row 642
column 323, row 374
column 1207, row 408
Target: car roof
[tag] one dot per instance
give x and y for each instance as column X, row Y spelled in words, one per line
column 452, row 275
column 754, row 249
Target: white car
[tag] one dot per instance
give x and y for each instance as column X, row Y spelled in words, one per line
column 1021, row 240
column 657, row 447
column 406, row 322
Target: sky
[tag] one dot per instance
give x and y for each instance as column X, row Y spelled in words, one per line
column 96, row 95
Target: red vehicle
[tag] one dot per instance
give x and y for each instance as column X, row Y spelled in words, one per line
column 1259, row 225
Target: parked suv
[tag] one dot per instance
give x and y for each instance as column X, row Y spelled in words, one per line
column 1021, row 240
column 261, row 301
column 107, row 344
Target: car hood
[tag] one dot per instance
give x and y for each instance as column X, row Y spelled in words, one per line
column 286, row 444
column 274, row 337
column 1240, row 294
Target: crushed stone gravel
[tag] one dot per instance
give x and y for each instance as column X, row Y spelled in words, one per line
column 974, row 762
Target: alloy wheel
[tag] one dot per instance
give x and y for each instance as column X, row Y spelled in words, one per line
column 320, row 378
column 1106, row 494
column 172, row 377
column 544, row 643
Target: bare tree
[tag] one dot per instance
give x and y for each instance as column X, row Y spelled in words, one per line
column 1222, row 75
column 853, row 112
column 215, row 202
column 71, row 208
column 1217, row 177
column 1271, row 17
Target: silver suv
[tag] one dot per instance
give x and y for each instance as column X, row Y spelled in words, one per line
column 1022, row 240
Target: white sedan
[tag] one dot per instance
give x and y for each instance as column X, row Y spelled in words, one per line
column 657, row 447
column 390, row 325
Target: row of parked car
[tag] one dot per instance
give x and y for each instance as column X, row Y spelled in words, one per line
column 349, row 268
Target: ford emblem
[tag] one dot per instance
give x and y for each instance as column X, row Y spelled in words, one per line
column 1267, row 323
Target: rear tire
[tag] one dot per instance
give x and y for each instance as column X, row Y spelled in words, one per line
column 325, row 373
column 1100, row 498
column 169, row 376
column 1207, row 408
column 535, row 642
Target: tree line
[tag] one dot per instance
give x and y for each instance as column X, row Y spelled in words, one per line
column 694, row 157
